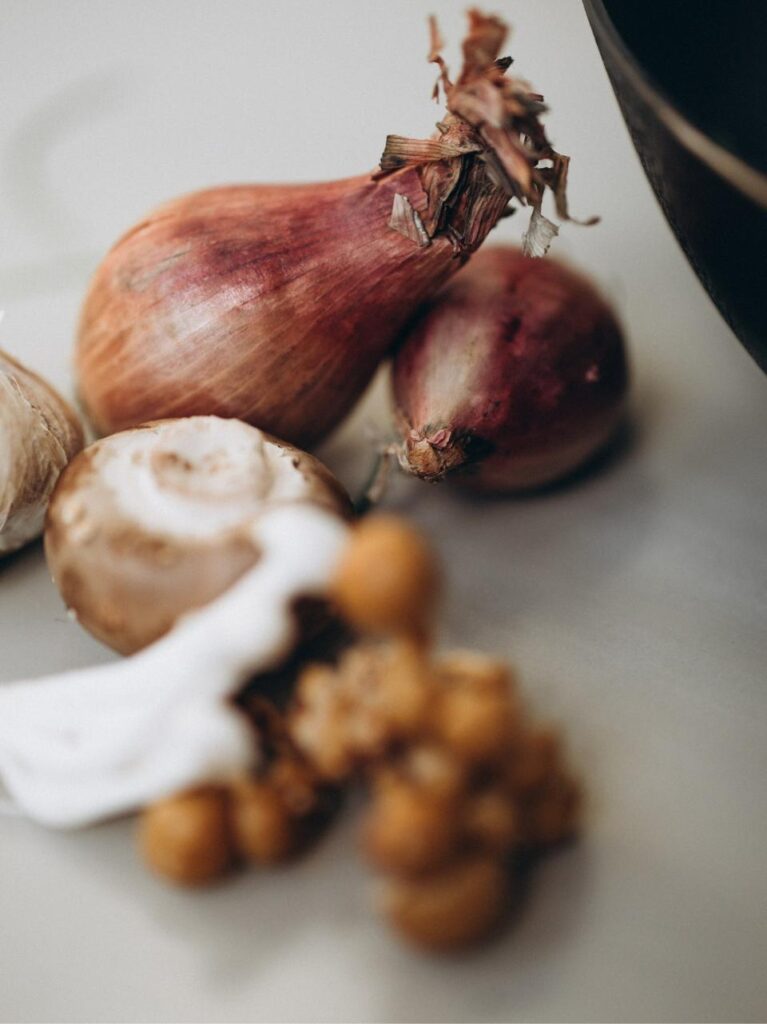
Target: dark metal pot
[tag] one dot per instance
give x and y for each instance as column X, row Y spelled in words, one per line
column 714, row 200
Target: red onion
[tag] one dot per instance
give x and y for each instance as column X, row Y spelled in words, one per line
column 274, row 304
column 514, row 376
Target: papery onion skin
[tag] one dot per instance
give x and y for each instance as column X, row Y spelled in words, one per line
column 39, row 434
column 270, row 304
column 275, row 304
column 516, row 375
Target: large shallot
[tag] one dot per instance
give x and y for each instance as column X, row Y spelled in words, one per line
column 274, row 304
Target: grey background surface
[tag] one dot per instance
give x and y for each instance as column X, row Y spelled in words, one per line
column 633, row 604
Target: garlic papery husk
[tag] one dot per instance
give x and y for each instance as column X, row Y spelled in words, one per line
column 512, row 378
column 276, row 303
column 39, row 434
column 97, row 742
column 151, row 522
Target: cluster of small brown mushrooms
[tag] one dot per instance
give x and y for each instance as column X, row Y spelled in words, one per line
column 462, row 788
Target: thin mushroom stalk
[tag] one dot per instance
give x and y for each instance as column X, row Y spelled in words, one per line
column 94, row 743
column 275, row 303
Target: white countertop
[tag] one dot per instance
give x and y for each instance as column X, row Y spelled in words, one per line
column 633, row 604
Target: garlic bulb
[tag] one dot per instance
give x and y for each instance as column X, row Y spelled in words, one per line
column 153, row 521
column 39, row 434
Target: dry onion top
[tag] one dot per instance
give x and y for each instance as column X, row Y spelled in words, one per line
column 490, row 147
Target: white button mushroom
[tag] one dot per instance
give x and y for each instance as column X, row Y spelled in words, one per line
column 39, row 434
column 151, row 522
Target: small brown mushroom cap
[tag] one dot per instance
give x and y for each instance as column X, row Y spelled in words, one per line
column 388, row 580
column 185, row 838
column 450, row 909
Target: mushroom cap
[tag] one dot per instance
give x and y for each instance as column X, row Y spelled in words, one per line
column 151, row 522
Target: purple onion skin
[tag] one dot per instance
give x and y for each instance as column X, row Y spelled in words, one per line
column 514, row 377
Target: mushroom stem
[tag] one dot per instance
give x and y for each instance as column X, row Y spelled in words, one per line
column 93, row 743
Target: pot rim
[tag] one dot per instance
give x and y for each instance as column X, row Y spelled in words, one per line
column 740, row 174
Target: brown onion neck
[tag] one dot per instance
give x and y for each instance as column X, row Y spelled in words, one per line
column 490, row 148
